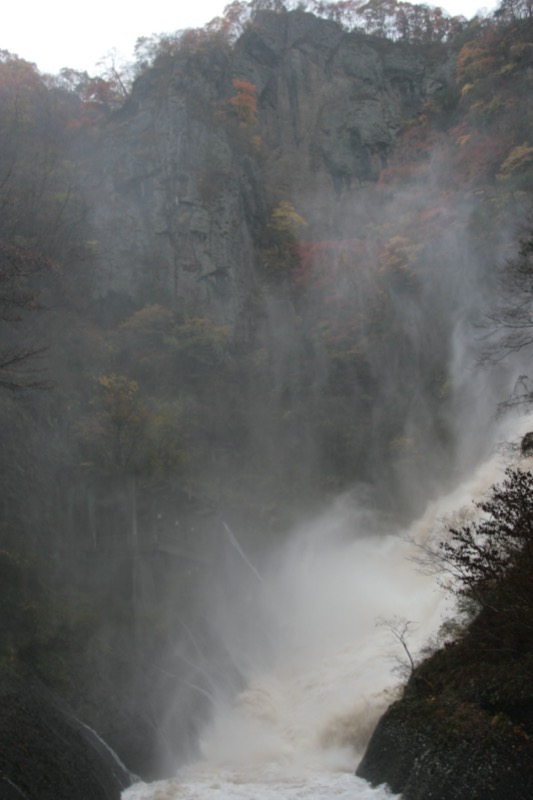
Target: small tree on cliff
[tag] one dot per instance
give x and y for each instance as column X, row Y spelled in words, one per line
column 122, row 419
column 20, row 269
column 492, row 559
column 511, row 321
column 244, row 102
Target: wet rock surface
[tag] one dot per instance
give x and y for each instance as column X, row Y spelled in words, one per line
column 444, row 749
column 46, row 754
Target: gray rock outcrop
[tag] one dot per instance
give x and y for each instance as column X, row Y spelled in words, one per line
column 180, row 191
column 448, row 751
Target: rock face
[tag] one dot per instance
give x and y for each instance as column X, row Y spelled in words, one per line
column 331, row 103
column 181, row 189
column 448, row 752
column 45, row 753
column 461, row 731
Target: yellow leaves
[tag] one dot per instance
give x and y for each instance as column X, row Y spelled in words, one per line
column 507, row 70
column 475, row 61
column 127, row 434
column 399, row 253
column 402, row 443
column 518, row 160
column 164, row 447
column 285, row 220
column 150, row 322
column 285, row 226
column 122, row 418
column 199, row 346
column 118, row 386
column 494, row 107
column 201, row 337
column 120, row 403
column 130, row 435
column 204, row 330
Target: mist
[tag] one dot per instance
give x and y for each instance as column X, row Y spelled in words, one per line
column 301, row 657
column 245, row 336
column 296, row 647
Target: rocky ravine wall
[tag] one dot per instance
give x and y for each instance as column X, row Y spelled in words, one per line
column 179, row 191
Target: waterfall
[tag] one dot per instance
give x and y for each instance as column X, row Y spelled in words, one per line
column 318, row 669
column 103, row 744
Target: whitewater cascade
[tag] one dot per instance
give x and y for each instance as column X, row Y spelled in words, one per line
column 319, row 669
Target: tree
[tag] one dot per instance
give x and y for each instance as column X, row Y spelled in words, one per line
column 18, row 267
column 279, row 252
column 514, row 10
column 491, row 560
column 511, row 322
column 41, row 215
column 118, row 75
column 401, row 628
column 244, row 102
column 411, row 22
column 123, row 418
column 39, row 207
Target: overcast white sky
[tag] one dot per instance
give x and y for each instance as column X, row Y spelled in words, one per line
column 61, row 33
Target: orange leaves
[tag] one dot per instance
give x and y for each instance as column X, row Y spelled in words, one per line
column 475, row 61
column 244, row 103
column 15, row 73
column 102, row 91
column 22, row 89
column 479, row 156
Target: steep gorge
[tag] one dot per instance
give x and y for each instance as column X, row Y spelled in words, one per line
column 286, row 243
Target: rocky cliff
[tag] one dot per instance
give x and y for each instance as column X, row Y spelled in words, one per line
column 180, row 189
column 459, row 733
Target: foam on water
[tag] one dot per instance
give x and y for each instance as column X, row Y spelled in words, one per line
column 227, row 785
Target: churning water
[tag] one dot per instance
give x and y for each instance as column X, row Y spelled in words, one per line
column 318, row 670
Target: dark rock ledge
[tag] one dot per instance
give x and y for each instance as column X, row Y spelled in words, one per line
column 435, row 749
column 46, row 754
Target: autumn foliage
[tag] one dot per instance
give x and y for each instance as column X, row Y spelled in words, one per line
column 244, row 102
